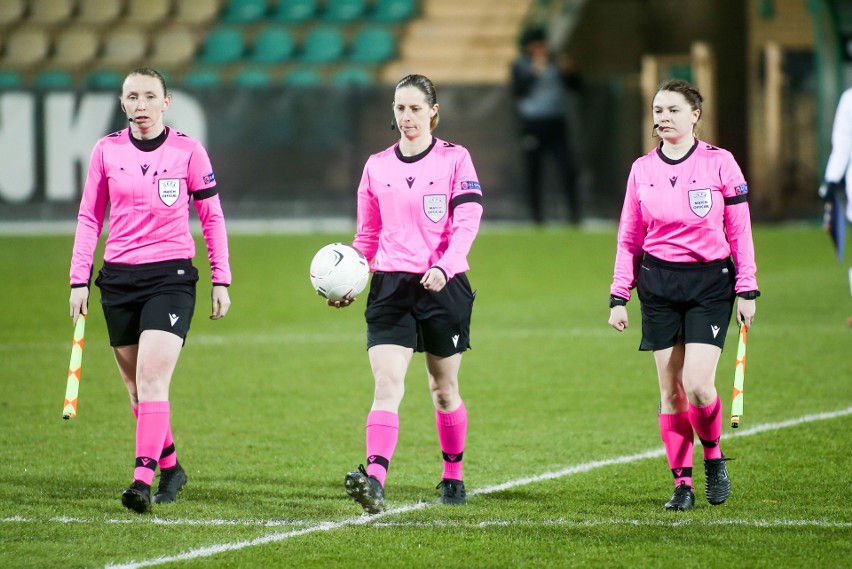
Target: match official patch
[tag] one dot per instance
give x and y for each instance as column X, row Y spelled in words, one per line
column 701, row 201
column 169, row 190
column 741, row 190
column 470, row 185
column 435, row 206
column 209, row 178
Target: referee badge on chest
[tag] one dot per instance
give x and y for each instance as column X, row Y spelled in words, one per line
column 701, row 201
column 435, row 206
column 169, row 189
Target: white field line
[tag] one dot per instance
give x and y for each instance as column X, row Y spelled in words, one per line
column 377, row 519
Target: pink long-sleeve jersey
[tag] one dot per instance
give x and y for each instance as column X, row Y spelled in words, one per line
column 419, row 211
column 148, row 197
column 689, row 210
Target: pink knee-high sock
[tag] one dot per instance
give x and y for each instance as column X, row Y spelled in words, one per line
column 452, row 430
column 151, row 428
column 707, row 422
column 382, row 434
column 168, row 458
column 676, row 432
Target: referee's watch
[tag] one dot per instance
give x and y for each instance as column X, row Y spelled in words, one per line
column 617, row 301
column 749, row 294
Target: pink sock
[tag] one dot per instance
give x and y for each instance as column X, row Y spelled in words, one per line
column 382, row 434
column 452, row 429
column 168, row 458
column 676, row 432
column 707, row 422
column 151, row 428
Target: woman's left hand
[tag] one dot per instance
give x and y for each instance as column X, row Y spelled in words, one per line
column 745, row 312
column 221, row 302
column 434, row 280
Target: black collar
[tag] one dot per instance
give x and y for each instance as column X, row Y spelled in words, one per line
column 416, row 157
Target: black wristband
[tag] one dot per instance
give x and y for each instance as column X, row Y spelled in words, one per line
column 617, row 301
column 749, row 294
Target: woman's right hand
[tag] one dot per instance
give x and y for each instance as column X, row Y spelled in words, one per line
column 79, row 302
column 340, row 303
column 618, row 317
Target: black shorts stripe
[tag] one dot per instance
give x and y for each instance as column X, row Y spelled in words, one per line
column 466, row 198
column 736, row 199
column 204, row 194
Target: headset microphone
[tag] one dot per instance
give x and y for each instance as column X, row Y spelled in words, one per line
column 130, row 119
column 656, row 125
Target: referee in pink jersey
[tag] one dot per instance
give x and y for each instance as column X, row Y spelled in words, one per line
column 419, row 208
column 146, row 176
column 684, row 242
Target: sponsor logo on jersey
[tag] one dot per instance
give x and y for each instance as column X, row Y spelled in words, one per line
column 145, row 168
column 209, row 178
column 741, row 190
column 435, row 206
column 673, row 180
column 169, row 189
column 471, row 185
column 700, row 201
column 410, row 181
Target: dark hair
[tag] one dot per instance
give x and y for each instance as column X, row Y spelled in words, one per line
column 150, row 72
column 425, row 86
column 690, row 93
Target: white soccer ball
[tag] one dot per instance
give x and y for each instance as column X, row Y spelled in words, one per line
column 339, row 272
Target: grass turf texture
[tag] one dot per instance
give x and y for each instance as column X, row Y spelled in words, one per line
column 269, row 408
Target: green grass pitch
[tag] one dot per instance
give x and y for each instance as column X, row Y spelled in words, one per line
column 269, row 407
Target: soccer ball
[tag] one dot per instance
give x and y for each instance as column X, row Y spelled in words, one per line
column 339, row 272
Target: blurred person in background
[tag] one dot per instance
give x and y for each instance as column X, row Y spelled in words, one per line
column 419, row 209
column 146, row 176
column 541, row 84
column 838, row 170
column 685, row 242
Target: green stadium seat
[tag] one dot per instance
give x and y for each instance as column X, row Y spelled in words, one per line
column 352, row 76
column 293, row 11
column 104, row 80
column 252, row 78
column 272, row 45
column 243, row 11
column 373, row 44
column 202, row 78
column 54, row 79
column 222, row 46
column 394, row 10
column 303, row 78
column 323, row 44
column 11, row 80
column 343, row 10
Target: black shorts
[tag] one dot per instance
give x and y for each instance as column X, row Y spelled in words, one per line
column 401, row 312
column 151, row 296
column 685, row 302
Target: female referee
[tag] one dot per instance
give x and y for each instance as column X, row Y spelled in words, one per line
column 147, row 175
column 419, row 208
column 684, row 241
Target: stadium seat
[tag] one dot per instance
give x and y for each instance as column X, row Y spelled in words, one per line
column 252, row 78
column 105, row 80
column 148, row 12
column 54, row 79
column 50, row 11
column 11, row 12
column 222, row 46
column 303, row 78
column 352, row 76
column 202, row 78
column 393, row 10
column 243, row 11
column 343, row 10
column 124, row 47
column 196, row 13
column 373, row 44
column 272, row 45
column 75, row 47
column 293, row 11
column 10, row 80
column 98, row 12
column 323, row 44
column 26, row 47
column 172, row 47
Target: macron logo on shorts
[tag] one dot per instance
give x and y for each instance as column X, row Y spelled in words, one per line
column 715, row 329
column 173, row 318
column 456, row 341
